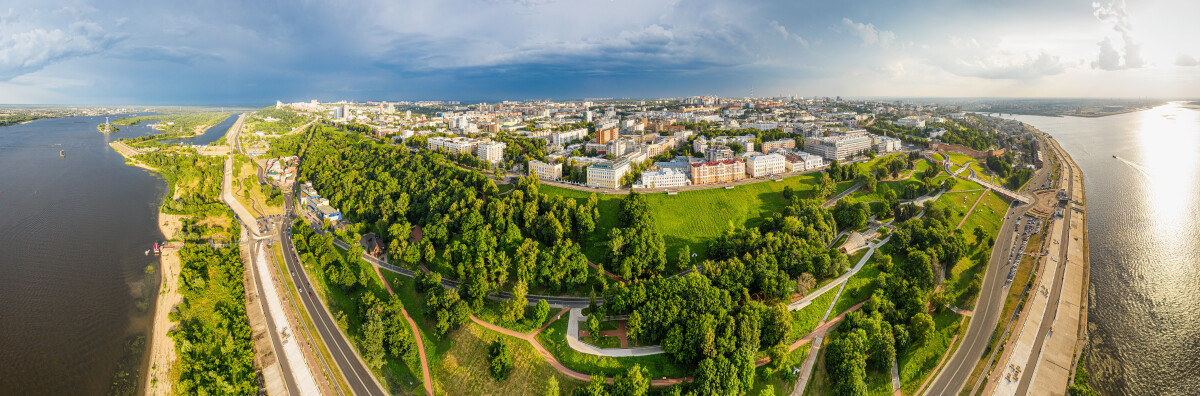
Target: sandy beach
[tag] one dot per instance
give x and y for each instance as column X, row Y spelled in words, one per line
column 162, row 348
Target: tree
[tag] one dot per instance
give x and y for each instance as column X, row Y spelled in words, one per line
column 596, row 386
column 804, row 283
column 514, row 307
column 788, row 193
column 373, row 337
column 593, row 326
column 635, row 382
column 541, row 311
column 779, row 357
column 777, row 323
column 551, row 388
column 922, row 328
column 500, row 360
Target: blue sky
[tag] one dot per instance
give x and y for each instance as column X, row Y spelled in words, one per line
column 254, row 52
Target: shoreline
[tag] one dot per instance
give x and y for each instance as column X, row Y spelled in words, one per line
column 162, row 347
column 160, row 363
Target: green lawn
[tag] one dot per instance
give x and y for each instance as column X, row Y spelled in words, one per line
column 458, row 361
column 963, row 185
column 918, row 361
column 554, row 340
column 984, row 173
column 859, row 287
column 806, row 319
column 958, row 203
column 939, row 156
column 959, row 158
column 492, row 312
column 781, row 385
column 695, row 218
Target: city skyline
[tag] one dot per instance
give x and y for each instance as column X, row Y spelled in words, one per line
column 230, row 53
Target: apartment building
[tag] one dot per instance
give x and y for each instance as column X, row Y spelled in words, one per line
column 778, row 144
column 545, row 171
column 718, row 153
column 718, row 171
column 491, row 152
column 564, row 137
column 452, row 144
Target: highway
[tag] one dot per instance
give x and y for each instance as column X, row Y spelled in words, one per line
column 1047, row 320
column 988, row 306
column 358, row 375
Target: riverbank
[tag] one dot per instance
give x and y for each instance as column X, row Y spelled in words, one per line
column 159, row 376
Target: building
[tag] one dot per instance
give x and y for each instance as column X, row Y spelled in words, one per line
column 545, row 171
column 840, row 146
column 372, row 244
column 339, row 112
column 802, row 161
column 885, row 144
column 328, row 212
column 765, row 165
column 718, row 153
column 491, row 152
column 452, row 144
column 778, row 144
column 699, row 145
column 619, row 147
column 565, row 137
column 605, row 135
column 664, row 178
column 718, row 171
column 607, row 174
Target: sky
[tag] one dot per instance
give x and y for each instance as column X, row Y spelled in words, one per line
column 225, row 52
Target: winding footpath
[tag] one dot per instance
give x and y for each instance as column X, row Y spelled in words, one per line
column 428, row 379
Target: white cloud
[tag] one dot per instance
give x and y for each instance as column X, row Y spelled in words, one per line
column 870, row 35
column 31, row 50
column 1186, row 60
column 1109, row 57
column 1027, row 68
column 783, row 32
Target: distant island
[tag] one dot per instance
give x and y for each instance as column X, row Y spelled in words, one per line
column 107, row 128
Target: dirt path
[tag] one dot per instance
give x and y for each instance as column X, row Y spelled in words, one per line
column 970, row 211
column 428, row 379
column 530, row 337
column 606, row 273
column 162, row 347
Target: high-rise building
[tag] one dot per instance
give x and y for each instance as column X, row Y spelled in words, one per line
column 605, row 135
column 491, row 152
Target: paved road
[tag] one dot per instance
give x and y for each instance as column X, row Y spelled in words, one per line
column 361, row 381
column 987, row 310
column 1056, row 290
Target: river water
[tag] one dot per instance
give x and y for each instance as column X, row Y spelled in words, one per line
column 1144, row 242
column 73, row 232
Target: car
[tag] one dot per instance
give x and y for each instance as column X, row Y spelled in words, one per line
column 310, row 294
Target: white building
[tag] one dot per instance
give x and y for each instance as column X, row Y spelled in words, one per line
column 452, row 144
column 699, row 145
column 884, row 144
column 765, row 165
column 607, row 174
column 664, row 178
column 565, row 137
column 839, row 146
column 802, row 161
column 545, row 171
column 491, row 152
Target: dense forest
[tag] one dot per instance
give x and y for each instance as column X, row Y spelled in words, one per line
column 212, row 338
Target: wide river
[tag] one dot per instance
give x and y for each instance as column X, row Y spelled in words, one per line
column 73, row 236
column 1144, row 237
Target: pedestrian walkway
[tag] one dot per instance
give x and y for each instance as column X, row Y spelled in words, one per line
column 573, row 341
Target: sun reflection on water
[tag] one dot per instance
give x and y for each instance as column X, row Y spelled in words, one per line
column 1167, row 137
